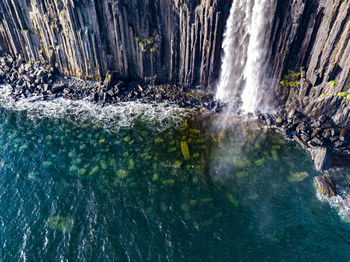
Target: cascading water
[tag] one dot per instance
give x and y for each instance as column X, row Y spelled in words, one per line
column 242, row 69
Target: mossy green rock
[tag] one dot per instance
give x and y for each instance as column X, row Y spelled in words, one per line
column 155, row 177
column 103, row 164
column 94, row 170
column 82, row 171
column 297, row 176
column 168, row 182
column 131, row 164
column 241, row 163
column 259, row 162
column 158, row 140
column 177, row 163
column 172, row 149
column 242, row 174
column 47, row 164
column 275, row 155
column 73, row 168
column 122, row 173
column 60, row 223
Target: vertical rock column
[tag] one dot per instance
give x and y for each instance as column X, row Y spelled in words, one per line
column 158, row 41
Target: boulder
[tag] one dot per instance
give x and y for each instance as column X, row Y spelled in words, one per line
column 325, row 185
column 58, row 88
column 322, row 157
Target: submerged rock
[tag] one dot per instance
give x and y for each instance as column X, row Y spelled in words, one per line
column 297, row 176
column 185, row 150
column 60, row 223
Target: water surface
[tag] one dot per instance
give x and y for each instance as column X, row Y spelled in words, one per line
column 73, row 188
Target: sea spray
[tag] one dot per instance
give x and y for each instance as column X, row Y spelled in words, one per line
column 111, row 117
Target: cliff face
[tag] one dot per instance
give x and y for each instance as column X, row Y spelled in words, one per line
column 314, row 35
column 179, row 41
column 175, row 41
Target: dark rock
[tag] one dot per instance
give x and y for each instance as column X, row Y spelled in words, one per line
column 315, row 141
column 58, row 88
column 325, row 185
column 322, row 119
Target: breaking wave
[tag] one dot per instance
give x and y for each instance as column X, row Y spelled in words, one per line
column 111, row 117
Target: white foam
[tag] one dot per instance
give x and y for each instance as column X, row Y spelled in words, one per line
column 340, row 202
column 242, row 69
column 112, row 117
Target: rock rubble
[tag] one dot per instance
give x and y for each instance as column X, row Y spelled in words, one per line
column 42, row 81
column 327, row 144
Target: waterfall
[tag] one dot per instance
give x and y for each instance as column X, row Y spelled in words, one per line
column 242, row 68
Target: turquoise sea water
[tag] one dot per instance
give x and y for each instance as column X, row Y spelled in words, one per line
column 151, row 187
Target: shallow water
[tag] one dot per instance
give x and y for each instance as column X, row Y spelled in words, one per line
column 75, row 189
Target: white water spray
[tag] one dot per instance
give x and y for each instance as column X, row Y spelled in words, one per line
column 242, row 69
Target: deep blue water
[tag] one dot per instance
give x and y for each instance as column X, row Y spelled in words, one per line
column 73, row 190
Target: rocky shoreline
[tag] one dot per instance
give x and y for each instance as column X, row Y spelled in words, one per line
column 44, row 83
column 327, row 144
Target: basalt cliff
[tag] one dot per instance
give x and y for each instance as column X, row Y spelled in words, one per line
column 158, row 41
column 179, row 41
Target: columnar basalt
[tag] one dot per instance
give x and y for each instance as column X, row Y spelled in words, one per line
column 312, row 37
column 153, row 41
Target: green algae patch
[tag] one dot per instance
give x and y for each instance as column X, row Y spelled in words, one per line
column 185, row 150
column 131, row 164
column 259, row 162
column 122, row 173
column 240, row 163
column 60, row 223
column 242, row 174
column 200, row 141
column 94, row 170
column 295, row 177
column 158, row 140
column 103, row 164
column 195, row 155
column 194, row 131
column 155, row 177
column 276, row 147
column 177, row 163
column 47, row 164
column 48, row 137
column 168, row 182
column 23, row 147
column 172, row 149
column 82, row 171
column 73, row 168
column 275, row 155
column 232, row 200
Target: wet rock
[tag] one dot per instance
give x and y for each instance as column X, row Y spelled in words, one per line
column 325, row 185
column 58, row 88
column 322, row 157
column 279, row 120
